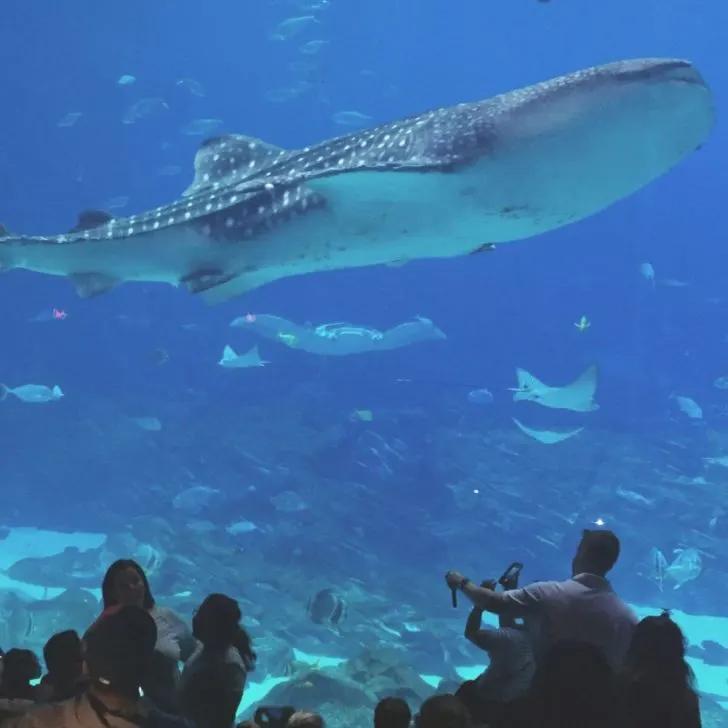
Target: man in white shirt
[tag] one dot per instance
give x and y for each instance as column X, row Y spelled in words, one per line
column 584, row 607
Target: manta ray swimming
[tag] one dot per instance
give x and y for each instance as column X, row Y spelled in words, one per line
column 445, row 183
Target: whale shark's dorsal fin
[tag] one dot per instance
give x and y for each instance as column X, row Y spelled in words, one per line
column 231, row 158
column 90, row 219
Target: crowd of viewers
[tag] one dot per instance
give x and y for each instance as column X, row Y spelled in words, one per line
column 566, row 654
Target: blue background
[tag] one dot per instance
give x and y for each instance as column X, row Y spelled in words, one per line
column 514, row 308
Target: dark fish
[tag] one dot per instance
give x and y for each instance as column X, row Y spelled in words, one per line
column 326, row 607
column 71, row 568
column 445, row 183
column 160, row 356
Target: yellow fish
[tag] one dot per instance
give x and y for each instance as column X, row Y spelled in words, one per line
column 583, row 324
column 288, row 339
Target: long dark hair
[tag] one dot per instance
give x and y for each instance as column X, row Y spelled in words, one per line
column 657, row 651
column 108, row 586
column 217, row 625
column 244, row 645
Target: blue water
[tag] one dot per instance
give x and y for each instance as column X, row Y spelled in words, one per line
column 151, row 351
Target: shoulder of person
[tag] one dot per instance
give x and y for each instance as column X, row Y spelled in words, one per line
column 550, row 584
column 532, row 596
column 169, row 618
column 545, row 588
column 166, row 613
column 44, row 691
column 229, row 664
column 157, row 719
column 233, row 656
column 215, row 676
column 28, row 714
column 515, row 634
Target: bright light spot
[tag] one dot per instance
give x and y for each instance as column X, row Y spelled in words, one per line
column 599, row 522
column 476, row 491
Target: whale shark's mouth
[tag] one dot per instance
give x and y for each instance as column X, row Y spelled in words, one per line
column 666, row 72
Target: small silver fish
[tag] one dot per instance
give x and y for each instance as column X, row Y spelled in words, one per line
column 196, row 498
column 201, row 127
column 32, row 393
column 351, row 118
column 235, row 529
column 69, row 119
column 689, row 406
column 480, row 396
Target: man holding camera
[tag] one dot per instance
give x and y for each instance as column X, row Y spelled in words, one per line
column 584, row 607
column 511, row 664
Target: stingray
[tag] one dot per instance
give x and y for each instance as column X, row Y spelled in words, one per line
column 577, row 396
column 547, row 437
column 232, row 360
column 445, row 183
column 72, row 567
column 339, row 339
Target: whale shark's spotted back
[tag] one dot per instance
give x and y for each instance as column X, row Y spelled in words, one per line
column 221, row 165
column 265, row 182
column 437, row 140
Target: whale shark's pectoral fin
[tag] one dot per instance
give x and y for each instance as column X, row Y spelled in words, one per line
column 483, row 248
column 89, row 285
column 237, row 285
column 206, row 278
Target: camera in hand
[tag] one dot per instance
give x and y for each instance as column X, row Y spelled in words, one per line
column 273, row 716
column 508, row 580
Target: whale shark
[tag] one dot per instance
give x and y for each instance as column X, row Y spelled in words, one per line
column 449, row 182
